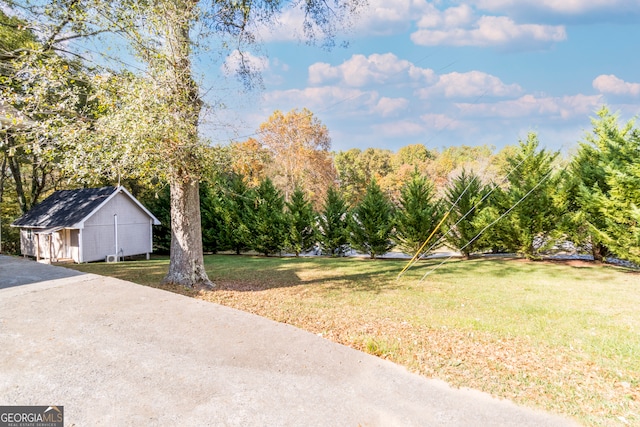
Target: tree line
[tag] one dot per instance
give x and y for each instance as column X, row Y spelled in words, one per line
column 525, row 199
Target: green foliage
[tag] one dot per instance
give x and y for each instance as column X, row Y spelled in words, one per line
column 14, row 36
column 371, row 223
column 465, row 194
column 454, row 157
column 496, row 233
column 356, row 169
column 531, row 196
column 606, row 197
column 9, row 212
column 158, row 203
column 332, row 224
column 44, row 101
column 301, row 236
column 418, row 215
column 238, row 203
column 212, row 215
column 269, row 226
column 413, row 155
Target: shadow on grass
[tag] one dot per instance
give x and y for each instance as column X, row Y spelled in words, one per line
column 255, row 273
column 249, row 273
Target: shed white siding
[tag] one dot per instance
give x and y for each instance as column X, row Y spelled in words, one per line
column 132, row 226
column 27, row 242
column 54, row 245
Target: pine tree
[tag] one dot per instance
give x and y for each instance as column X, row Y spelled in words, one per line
column 332, row 224
column 214, row 228
column 371, row 224
column 418, row 215
column 237, row 208
column 532, row 187
column 301, row 235
column 607, row 172
column 465, row 195
column 269, row 226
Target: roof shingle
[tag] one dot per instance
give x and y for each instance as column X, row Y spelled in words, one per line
column 64, row 208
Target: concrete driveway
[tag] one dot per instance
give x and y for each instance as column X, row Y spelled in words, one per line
column 114, row 353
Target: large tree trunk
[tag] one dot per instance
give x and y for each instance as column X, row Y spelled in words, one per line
column 598, row 250
column 186, row 266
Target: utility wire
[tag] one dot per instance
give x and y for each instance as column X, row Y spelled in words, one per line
column 418, row 257
column 544, row 178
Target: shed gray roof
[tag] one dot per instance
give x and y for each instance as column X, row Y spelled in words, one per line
column 67, row 208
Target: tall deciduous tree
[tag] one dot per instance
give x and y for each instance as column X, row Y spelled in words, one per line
column 371, row 223
column 42, row 96
column 165, row 34
column 299, row 145
column 356, row 169
column 250, row 160
column 405, row 163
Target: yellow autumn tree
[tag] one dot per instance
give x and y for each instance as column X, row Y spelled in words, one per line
column 299, row 146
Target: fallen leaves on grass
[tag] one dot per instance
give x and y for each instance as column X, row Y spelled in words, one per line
column 560, row 380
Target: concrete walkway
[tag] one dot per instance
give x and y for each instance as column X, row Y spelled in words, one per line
column 114, row 353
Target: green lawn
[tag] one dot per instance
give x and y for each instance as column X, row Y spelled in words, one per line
column 564, row 337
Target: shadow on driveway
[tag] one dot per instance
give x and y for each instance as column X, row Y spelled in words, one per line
column 16, row 271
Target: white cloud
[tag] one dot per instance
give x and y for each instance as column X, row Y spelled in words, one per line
column 611, row 84
column 317, row 98
column 340, row 101
column 470, row 84
column 572, row 7
column 233, row 63
column 389, row 106
column 565, row 107
column 489, row 31
column 452, row 17
column 399, row 129
column 361, row 70
column 441, row 122
column 384, row 17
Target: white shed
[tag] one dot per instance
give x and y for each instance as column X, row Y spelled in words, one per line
column 84, row 225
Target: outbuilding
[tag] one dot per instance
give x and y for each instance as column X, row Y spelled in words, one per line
column 88, row 224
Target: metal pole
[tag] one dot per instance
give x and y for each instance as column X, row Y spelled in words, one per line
column 115, row 226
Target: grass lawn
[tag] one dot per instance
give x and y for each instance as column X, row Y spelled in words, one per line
column 564, row 337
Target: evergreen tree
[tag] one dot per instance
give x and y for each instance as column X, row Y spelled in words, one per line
column 530, row 195
column 237, row 210
column 213, row 212
column 371, row 224
column 269, row 226
column 606, row 173
column 332, row 224
column 158, row 202
column 301, row 235
column 418, row 215
column 464, row 193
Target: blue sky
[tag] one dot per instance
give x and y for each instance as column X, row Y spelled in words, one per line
column 447, row 73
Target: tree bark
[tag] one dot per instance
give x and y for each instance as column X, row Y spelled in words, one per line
column 599, row 251
column 186, row 267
